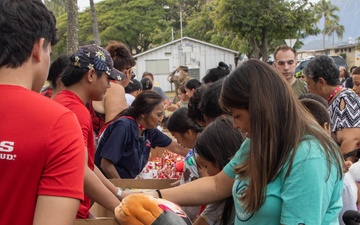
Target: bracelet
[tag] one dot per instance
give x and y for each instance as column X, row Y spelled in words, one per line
column 159, row 193
column 119, row 192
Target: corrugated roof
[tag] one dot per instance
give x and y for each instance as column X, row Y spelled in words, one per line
column 185, row 38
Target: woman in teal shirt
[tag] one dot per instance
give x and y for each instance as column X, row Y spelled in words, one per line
column 288, row 170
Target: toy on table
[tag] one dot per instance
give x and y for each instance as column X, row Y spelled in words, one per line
column 143, row 209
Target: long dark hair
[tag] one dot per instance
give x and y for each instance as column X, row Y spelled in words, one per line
column 219, row 149
column 180, row 122
column 274, row 112
column 217, row 144
column 144, row 103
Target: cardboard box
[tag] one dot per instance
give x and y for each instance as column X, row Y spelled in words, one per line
column 158, row 151
column 143, row 183
column 97, row 221
column 99, row 211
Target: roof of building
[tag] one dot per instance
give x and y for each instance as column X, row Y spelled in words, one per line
column 317, row 45
column 186, row 38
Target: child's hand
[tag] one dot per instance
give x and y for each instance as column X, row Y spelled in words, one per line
column 347, row 165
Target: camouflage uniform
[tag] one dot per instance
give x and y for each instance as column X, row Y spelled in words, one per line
column 179, row 80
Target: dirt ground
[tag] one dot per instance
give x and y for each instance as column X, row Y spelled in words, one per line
column 170, row 94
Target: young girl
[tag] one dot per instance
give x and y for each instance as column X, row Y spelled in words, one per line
column 184, row 99
column 124, row 145
column 186, row 131
column 213, row 152
column 132, row 90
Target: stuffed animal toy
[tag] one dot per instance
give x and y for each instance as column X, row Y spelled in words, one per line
column 143, row 209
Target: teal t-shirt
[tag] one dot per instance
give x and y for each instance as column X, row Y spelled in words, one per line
column 306, row 196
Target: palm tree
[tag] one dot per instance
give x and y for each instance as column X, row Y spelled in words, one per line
column 94, row 23
column 324, row 9
column 334, row 27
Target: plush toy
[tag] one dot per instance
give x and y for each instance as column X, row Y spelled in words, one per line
column 143, row 209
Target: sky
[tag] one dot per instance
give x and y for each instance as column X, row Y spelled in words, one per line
column 82, row 4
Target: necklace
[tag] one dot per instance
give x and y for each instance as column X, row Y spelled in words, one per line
column 141, row 127
column 333, row 93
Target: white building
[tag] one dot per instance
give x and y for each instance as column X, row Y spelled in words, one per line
column 199, row 56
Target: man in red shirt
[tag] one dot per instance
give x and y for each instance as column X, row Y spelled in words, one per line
column 87, row 79
column 41, row 150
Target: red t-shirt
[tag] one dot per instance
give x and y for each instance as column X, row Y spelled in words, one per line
column 41, row 153
column 74, row 103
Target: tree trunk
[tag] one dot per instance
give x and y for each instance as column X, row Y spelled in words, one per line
column 323, row 33
column 265, row 47
column 255, row 49
column 72, row 29
column 94, row 23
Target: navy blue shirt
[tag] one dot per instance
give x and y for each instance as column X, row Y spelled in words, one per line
column 120, row 143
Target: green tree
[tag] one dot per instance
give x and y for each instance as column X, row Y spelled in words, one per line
column 140, row 24
column 251, row 27
column 56, row 6
column 261, row 22
column 326, row 10
column 200, row 25
column 332, row 28
column 133, row 22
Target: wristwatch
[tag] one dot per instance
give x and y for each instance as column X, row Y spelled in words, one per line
column 119, row 192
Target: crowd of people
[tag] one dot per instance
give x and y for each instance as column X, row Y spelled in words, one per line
column 260, row 145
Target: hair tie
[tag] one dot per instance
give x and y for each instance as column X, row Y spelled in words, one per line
column 223, row 66
column 159, row 193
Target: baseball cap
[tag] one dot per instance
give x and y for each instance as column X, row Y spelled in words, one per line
column 97, row 58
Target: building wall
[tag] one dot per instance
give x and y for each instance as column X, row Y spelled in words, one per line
column 195, row 55
column 357, row 58
column 352, row 56
column 348, row 51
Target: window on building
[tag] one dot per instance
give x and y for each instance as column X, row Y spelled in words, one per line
column 194, row 73
column 157, row 66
